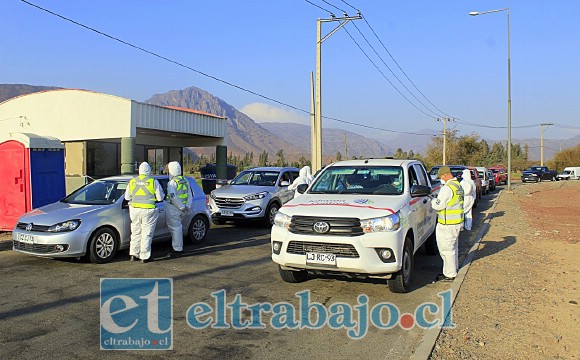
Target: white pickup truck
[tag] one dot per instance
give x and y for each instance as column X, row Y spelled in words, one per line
column 358, row 218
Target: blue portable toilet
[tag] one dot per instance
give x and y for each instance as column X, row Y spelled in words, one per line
column 31, row 175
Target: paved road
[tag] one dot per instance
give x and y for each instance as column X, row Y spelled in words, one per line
column 50, row 308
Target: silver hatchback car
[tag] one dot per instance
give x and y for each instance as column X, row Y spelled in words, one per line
column 255, row 194
column 93, row 221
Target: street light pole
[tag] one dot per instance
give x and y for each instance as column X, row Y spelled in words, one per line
column 317, row 126
column 509, row 139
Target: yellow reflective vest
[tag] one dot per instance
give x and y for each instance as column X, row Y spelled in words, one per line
column 142, row 189
column 453, row 212
column 182, row 188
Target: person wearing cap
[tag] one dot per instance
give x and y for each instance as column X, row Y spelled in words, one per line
column 142, row 193
column 449, row 206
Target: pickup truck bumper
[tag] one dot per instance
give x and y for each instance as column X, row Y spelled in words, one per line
column 354, row 254
column 530, row 178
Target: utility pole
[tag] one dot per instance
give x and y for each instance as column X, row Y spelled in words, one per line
column 444, row 139
column 542, row 142
column 312, row 120
column 345, row 147
column 317, row 150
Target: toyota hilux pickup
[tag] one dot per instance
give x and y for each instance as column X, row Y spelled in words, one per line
column 359, row 218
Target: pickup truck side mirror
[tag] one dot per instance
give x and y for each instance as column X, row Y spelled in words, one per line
column 420, row 190
column 302, row 188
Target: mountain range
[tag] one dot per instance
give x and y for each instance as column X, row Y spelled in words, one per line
column 245, row 135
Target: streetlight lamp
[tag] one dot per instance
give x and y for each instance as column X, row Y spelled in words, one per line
column 509, row 139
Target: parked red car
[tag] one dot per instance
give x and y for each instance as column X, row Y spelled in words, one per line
column 478, row 185
column 500, row 173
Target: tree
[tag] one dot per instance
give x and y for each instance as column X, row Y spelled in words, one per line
column 263, row 159
column 338, row 156
column 280, row 160
column 566, row 157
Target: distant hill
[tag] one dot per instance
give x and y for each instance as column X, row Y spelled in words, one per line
column 9, row 91
column 551, row 146
column 244, row 135
column 333, row 140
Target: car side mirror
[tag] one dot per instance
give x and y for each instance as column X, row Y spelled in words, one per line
column 420, row 190
column 285, row 183
column 302, row 188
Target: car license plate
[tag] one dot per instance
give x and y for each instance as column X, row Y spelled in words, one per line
column 320, row 258
column 29, row 239
column 227, row 212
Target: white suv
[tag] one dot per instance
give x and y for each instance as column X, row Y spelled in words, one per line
column 359, row 217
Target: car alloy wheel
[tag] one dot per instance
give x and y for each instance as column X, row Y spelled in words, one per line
column 198, row 229
column 102, row 246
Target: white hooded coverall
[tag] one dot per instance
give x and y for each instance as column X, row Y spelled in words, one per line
column 143, row 221
column 304, row 177
column 469, row 190
column 175, row 209
column 447, row 235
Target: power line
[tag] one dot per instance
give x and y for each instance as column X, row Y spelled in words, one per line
column 165, row 58
column 355, row 9
column 384, row 63
column 337, row 8
column 566, row 126
column 396, row 77
column 211, row 76
column 320, row 7
column 383, row 74
column 400, row 68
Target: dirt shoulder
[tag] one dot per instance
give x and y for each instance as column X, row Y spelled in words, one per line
column 520, row 297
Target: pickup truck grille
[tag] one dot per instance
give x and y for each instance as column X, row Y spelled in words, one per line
column 340, row 250
column 229, row 203
column 304, row 225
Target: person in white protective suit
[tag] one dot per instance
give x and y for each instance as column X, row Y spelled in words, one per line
column 449, row 206
column 142, row 193
column 304, row 177
column 469, row 189
column 177, row 206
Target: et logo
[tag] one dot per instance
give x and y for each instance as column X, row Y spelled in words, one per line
column 136, row 314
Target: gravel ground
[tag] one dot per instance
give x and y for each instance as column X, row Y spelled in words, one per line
column 520, row 297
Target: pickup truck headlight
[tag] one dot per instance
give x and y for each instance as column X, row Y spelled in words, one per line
column 256, row 196
column 282, row 220
column 69, row 225
column 385, row 223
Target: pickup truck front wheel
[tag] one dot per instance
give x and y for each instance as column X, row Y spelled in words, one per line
column 291, row 276
column 401, row 280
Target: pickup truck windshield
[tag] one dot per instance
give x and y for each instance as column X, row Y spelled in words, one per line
column 378, row 180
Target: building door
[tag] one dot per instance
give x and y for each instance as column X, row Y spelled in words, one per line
column 14, row 182
column 155, row 159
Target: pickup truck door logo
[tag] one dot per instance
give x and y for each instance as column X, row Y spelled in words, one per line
column 321, row 227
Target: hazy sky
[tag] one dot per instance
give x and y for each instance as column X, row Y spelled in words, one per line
column 459, row 62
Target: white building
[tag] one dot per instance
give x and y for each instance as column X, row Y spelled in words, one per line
column 106, row 135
